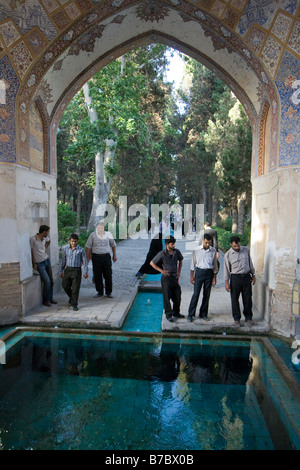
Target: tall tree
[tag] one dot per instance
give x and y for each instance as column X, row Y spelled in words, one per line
column 195, row 161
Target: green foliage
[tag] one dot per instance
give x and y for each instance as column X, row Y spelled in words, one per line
column 201, row 154
column 65, row 216
column 224, row 238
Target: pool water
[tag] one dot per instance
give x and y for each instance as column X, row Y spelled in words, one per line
column 130, row 392
column 145, row 315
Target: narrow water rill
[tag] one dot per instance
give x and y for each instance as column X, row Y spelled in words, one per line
column 140, row 389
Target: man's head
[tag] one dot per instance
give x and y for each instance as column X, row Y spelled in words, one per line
column 43, row 230
column 73, row 239
column 235, row 243
column 170, row 243
column 100, row 227
column 206, row 241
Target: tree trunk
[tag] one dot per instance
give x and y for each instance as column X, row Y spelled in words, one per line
column 214, row 214
column 78, row 212
column 102, row 185
column 241, row 200
column 234, row 220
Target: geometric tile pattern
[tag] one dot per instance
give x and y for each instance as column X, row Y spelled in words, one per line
column 270, row 28
column 288, row 84
column 9, row 88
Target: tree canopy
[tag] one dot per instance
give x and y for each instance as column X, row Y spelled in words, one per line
column 127, row 133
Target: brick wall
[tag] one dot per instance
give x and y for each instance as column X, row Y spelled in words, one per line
column 10, row 293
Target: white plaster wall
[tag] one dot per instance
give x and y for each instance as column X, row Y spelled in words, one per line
column 28, row 199
column 8, row 224
column 274, row 235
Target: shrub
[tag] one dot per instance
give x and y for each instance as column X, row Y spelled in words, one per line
column 65, row 216
column 224, row 238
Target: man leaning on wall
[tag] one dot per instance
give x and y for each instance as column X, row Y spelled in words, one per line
column 41, row 262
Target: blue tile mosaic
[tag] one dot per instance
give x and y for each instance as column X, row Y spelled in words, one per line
column 262, row 12
column 287, row 82
column 10, row 83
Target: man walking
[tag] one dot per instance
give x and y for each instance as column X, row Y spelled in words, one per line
column 214, row 236
column 169, row 263
column 239, row 275
column 41, row 262
column 98, row 248
column 73, row 258
column 204, row 269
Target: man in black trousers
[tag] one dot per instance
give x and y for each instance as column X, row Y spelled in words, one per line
column 239, row 275
column 169, row 263
column 204, row 269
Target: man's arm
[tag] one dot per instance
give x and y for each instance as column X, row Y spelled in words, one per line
column 62, row 264
column 114, row 254
column 226, row 272
column 88, row 252
column 179, row 269
column 33, row 260
column 163, row 271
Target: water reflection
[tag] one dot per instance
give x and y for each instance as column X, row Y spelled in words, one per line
column 126, row 395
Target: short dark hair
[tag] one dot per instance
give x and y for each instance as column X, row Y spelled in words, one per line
column 44, row 228
column 170, row 239
column 207, row 236
column 235, row 239
column 74, row 236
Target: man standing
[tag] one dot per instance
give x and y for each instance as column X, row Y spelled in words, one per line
column 204, row 269
column 98, row 248
column 70, row 269
column 214, row 235
column 169, row 263
column 239, row 275
column 41, row 262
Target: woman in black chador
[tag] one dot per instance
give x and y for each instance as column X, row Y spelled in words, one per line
column 156, row 246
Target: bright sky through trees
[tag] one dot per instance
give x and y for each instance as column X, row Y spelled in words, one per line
column 176, row 68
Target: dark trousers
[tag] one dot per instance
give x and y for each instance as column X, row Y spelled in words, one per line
column 241, row 284
column 171, row 291
column 102, row 268
column 71, row 282
column 203, row 277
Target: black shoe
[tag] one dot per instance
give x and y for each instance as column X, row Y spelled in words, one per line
column 75, row 308
column 109, row 296
column 97, row 295
column 178, row 315
column 170, row 319
column 189, row 318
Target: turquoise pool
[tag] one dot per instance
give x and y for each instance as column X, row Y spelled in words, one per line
column 145, row 315
column 134, row 392
column 140, row 389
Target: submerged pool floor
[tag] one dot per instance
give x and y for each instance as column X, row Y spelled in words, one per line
column 145, row 315
column 129, row 394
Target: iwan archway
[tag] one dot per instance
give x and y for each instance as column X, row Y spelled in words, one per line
column 49, row 48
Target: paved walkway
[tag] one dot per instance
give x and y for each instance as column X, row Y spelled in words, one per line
column 106, row 313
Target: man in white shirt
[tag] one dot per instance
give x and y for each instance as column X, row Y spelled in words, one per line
column 41, row 262
column 204, row 269
column 98, row 247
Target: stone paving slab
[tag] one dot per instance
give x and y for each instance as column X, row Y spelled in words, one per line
column 110, row 313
